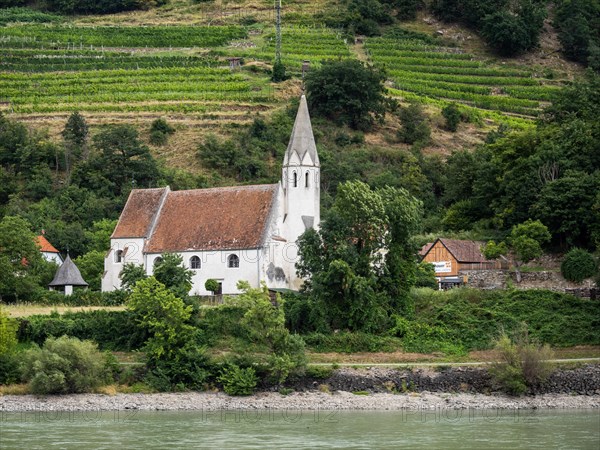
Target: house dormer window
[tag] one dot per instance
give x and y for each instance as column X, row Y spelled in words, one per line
column 195, row 262
column 306, row 179
column 119, row 256
column 233, row 261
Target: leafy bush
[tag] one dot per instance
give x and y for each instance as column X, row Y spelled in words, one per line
column 578, row 265
column 425, row 275
column 112, row 330
column 452, row 115
column 222, row 322
column 238, row 381
column 9, row 368
column 319, row 372
column 65, row 365
column 423, row 338
column 278, row 72
column 211, row 285
column 414, row 125
column 521, row 364
column 188, row 368
column 8, row 343
column 8, row 333
column 473, row 317
column 80, row 298
column 160, row 131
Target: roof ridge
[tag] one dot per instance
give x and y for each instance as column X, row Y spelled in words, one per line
column 229, row 188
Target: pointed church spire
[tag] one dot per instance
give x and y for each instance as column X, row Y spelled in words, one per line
column 302, row 140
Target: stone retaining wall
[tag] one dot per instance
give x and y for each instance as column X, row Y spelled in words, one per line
column 553, row 281
column 584, row 381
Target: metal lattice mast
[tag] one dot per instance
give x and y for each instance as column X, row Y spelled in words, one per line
column 278, row 30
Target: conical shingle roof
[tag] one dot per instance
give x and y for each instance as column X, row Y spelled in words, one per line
column 302, row 140
column 68, row 275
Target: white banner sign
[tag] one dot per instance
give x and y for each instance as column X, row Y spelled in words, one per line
column 443, row 266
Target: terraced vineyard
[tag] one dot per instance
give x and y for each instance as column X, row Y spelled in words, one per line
column 298, row 45
column 54, row 69
column 126, row 69
column 42, row 36
column 440, row 75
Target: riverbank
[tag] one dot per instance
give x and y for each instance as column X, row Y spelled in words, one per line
column 337, row 400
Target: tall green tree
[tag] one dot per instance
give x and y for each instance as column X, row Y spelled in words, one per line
column 361, row 263
column 171, row 272
column 348, row 92
column 524, row 243
column 19, row 259
column 76, row 137
column 122, row 162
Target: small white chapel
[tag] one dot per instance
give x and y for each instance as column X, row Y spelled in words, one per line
column 227, row 234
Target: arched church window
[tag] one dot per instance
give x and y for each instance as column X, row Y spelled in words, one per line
column 119, row 256
column 157, row 261
column 195, row 262
column 233, row 261
column 295, row 180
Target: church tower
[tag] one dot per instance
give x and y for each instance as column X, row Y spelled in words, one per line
column 301, row 178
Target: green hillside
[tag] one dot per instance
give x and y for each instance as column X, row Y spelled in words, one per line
column 171, row 61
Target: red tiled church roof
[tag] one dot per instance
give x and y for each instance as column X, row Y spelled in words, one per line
column 199, row 219
column 138, row 214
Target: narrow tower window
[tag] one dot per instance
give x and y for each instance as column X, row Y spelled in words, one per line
column 119, row 256
column 295, row 179
column 306, row 179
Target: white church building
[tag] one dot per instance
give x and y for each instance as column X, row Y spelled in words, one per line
column 227, row 234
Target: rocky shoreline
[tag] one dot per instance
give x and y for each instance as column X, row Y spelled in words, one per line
column 349, row 389
column 338, row 400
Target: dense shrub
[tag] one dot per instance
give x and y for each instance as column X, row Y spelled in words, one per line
column 278, row 73
column 8, row 344
column 211, row 285
column 112, row 330
column 452, row 115
column 238, row 381
column 65, row 365
column 221, row 322
column 414, row 125
column 578, row 265
column 160, row 131
column 423, row 338
column 474, row 317
column 188, row 368
column 81, row 298
column 9, row 368
column 521, row 365
column 425, row 275
column 8, row 333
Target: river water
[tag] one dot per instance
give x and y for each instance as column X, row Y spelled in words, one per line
column 266, row 429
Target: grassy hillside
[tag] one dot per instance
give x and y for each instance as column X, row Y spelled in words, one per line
column 171, row 62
